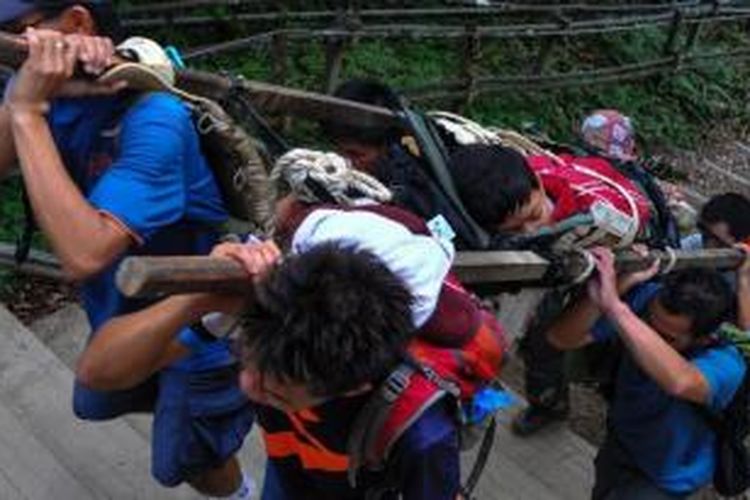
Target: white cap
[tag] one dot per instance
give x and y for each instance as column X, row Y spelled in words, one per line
column 149, row 53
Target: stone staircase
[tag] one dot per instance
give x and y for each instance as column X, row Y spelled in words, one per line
column 45, row 452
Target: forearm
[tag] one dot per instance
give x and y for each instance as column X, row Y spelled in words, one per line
column 83, row 239
column 660, row 361
column 129, row 349
column 743, row 302
column 572, row 329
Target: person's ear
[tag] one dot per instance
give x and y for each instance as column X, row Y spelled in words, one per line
column 77, row 20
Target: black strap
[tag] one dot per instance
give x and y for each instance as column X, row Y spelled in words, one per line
column 481, row 462
column 436, row 156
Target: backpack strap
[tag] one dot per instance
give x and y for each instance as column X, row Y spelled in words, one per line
column 395, row 405
column 436, row 157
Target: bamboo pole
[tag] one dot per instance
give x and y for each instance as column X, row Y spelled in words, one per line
column 149, row 276
column 269, row 98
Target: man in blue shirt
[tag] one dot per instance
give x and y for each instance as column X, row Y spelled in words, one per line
column 110, row 174
column 659, row 443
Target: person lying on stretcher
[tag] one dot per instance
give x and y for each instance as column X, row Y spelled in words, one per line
column 508, row 193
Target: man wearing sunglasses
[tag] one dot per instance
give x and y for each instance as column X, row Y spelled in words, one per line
column 111, row 173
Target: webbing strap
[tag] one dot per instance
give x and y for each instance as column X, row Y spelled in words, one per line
column 434, row 152
column 481, row 462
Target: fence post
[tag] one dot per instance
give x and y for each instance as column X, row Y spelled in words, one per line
column 280, row 70
column 335, row 49
column 674, row 29
column 472, row 53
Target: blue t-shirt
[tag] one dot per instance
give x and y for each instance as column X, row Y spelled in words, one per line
column 307, row 454
column 138, row 160
column 669, row 439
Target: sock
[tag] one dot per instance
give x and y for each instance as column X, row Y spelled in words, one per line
column 246, row 491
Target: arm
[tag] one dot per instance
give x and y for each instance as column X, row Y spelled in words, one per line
column 574, row 328
column 130, row 348
column 84, row 239
column 660, row 361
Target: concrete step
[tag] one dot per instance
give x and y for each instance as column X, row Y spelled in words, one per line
column 556, row 464
column 65, row 333
column 86, row 460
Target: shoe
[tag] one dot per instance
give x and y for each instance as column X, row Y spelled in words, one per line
column 533, row 418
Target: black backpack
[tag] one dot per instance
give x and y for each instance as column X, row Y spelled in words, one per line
column 732, row 424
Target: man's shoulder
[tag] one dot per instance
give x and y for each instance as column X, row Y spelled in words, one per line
column 157, row 105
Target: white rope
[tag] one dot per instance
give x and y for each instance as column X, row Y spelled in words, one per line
column 332, row 173
column 628, row 238
column 590, row 266
column 669, row 267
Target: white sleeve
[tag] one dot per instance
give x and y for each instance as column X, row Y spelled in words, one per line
column 422, row 262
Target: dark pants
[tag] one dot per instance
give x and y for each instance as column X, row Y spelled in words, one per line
column 617, row 478
column 544, row 365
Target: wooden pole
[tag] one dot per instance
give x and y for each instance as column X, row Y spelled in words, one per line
column 148, row 276
column 267, row 97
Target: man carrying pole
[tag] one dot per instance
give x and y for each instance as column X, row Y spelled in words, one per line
column 110, row 174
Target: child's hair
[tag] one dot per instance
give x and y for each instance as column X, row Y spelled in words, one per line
column 333, row 319
column 366, row 92
column 703, row 295
column 733, row 209
column 492, row 182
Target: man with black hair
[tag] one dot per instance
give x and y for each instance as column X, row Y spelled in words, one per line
column 659, row 444
column 109, row 173
column 320, row 331
column 723, row 221
column 365, row 147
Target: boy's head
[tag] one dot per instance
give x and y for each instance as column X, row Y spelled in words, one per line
column 725, row 220
column 86, row 17
column 499, row 189
column 364, row 146
column 690, row 305
column 610, row 133
column 326, row 323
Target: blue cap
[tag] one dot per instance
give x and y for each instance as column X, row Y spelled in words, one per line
column 11, row 10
